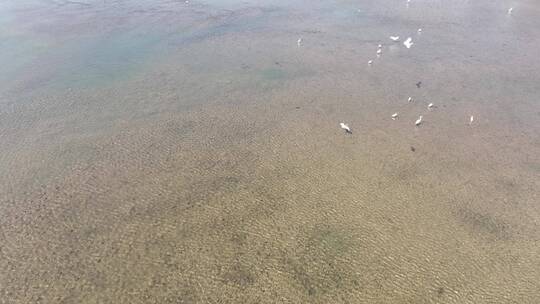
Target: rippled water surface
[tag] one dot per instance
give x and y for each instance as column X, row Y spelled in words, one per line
column 158, row 151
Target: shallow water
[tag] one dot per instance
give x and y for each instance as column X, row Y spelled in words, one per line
column 172, row 152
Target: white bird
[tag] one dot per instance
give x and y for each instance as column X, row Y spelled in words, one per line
column 419, row 30
column 299, row 42
column 370, row 62
column 409, row 99
column 394, row 116
column 510, row 10
column 418, row 121
column 430, row 105
column 408, row 43
column 471, row 120
column 408, row 1
column 380, row 46
column 345, row 127
column 394, row 38
column 379, row 51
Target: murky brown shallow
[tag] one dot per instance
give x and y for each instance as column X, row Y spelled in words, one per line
column 164, row 152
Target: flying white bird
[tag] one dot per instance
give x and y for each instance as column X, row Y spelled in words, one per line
column 345, row 127
column 394, row 116
column 471, row 120
column 370, row 62
column 394, row 38
column 418, row 121
column 409, row 99
column 299, row 42
column 408, row 43
column 510, row 10
column 430, row 105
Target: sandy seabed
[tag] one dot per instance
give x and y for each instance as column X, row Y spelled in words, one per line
column 171, row 152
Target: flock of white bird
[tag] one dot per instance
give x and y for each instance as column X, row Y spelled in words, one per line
column 408, row 43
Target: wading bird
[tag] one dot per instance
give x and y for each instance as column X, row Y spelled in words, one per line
column 419, row 120
column 346, row 128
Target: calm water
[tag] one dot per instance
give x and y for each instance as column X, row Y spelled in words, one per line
column 157, row 151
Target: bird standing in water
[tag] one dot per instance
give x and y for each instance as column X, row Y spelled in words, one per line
column 418, row 121
column 346, row 128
